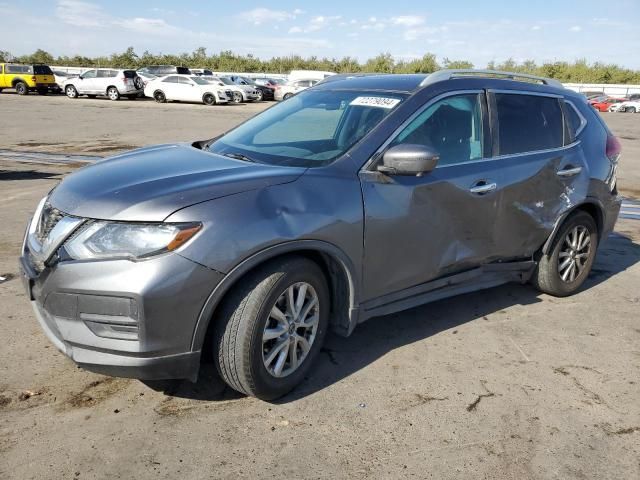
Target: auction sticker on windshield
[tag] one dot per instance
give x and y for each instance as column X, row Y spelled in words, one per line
column 382, row 102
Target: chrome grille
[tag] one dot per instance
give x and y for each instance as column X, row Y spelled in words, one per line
column 49, row 219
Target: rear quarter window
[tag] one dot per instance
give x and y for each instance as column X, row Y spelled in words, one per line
column 575, row 121
column 42, row 70
column 528, row 123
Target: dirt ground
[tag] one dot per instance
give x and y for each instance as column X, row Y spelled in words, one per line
column 500, row 384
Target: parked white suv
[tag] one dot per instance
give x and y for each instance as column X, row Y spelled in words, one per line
column 291, row 88
column 105, row 81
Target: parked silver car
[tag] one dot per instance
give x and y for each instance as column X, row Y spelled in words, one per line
column 360, row 197
column 105, row 81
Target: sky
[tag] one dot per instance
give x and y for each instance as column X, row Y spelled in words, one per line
column 479, row 31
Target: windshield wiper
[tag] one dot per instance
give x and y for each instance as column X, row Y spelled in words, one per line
column 239, row 156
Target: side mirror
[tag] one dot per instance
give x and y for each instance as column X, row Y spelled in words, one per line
column 408, row 159
column 80, row 77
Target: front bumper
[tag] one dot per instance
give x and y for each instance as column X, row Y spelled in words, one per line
column 123, row 318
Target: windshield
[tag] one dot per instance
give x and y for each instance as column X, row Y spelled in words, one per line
column 199, row 81
column 310, row 129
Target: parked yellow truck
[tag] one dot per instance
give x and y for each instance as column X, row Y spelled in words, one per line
column 27, row 78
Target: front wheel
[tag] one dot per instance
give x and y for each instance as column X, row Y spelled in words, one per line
column 271, row 328
column 21, row 88
column 287, row 96
column 209, row 99
column 113, row 93
column 563, row 270
column 237, row 97
column 71, row 91
column 159, row 96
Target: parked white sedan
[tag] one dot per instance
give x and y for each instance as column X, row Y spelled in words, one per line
column 630, row 106
column 185, row 88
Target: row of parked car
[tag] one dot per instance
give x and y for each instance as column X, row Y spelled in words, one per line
column 163, row 83
column 607, row 103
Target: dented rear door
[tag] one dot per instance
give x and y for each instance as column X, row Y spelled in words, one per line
column 543, row 170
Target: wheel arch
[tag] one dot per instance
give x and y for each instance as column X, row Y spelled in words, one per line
column 591, row 206
column 336, row 265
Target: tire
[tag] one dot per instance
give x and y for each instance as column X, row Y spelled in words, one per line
column 0, row 90
column 237, row 97
column 21, row 88
column 138, row 83
column 113, row 93
column 631, row 110
column 42, row 91
column 159, row 96
column 548, row 276
column 247, row 361
column 209, row 99
column 71, row 91
column 260, row 96
column 287, row 96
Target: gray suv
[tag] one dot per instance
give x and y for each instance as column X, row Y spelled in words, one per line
column 362, row 196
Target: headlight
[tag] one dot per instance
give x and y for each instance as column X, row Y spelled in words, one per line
column 101, row 240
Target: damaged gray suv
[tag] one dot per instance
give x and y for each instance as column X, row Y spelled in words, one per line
column 362, row 196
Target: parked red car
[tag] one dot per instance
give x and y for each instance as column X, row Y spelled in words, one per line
column 603, row 104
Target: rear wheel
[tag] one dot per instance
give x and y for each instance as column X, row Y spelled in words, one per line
column 287, row 96
column 631, row 110
column 71, row 91
column 209, row 99
column 271, row 328
column 113, row 93
column 21, row 88
column 563, row 270
column 159, row 96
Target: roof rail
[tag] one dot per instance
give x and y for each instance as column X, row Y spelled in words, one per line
column 442, row 75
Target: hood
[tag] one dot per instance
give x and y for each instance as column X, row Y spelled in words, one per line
column 149, row 184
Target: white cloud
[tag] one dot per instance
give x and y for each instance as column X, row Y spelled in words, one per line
column 81, row 14
column 260, row 15
column 408, row 20
column 576, row 28
column 147, row 26
column 317, row 23
column 535, row 28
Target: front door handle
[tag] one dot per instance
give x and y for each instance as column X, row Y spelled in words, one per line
column 483, row 187
column 569, row 171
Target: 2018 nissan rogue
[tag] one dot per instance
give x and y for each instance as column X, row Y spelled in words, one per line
column 359, row 197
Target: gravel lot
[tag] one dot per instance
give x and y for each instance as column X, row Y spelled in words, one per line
column 505, row 383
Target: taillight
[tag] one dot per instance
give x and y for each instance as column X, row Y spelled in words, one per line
column 614, row 148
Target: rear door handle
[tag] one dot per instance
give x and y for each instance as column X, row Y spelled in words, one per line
column 569, row 171
column 483, row 187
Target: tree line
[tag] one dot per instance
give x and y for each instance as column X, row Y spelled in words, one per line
column 578, row 71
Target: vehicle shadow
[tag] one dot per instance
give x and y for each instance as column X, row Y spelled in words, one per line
column 342, row 357
column 26, row 175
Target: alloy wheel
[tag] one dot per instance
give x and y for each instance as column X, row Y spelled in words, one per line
column 574, row 254
column 113, row 93
column 71, row 92
column 290, row 329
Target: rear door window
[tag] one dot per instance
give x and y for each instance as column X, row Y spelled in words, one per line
column 528, row 123
column 172, row 79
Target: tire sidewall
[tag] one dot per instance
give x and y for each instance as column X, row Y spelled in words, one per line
column 267, row 386
column 21, row 88
column 209, row 95
column 579, row 219
column 159, row 93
